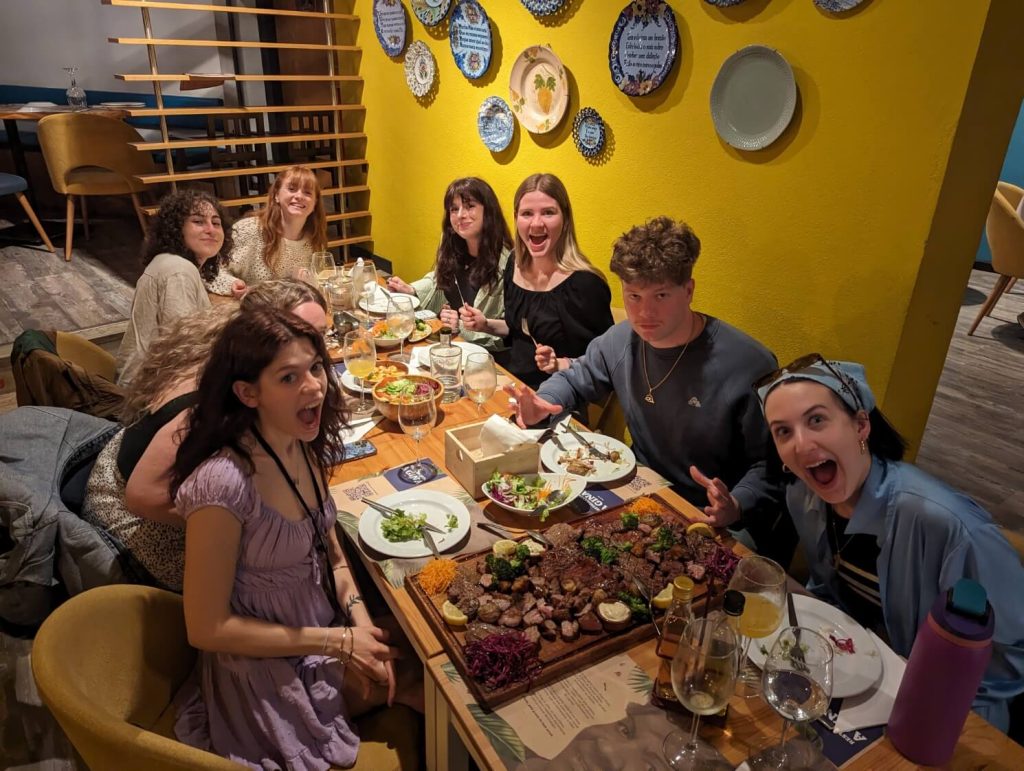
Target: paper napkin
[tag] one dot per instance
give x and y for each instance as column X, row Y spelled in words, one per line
column 498, row 435
column 874, row 706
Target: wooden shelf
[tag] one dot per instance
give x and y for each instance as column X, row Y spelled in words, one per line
column 220, row 77
column 169, row 41
column 162, row 4
column 148, row 112
column 188, row 176
column 349, row 241
column 274, row 139
column 235, row 203
column 349, row 215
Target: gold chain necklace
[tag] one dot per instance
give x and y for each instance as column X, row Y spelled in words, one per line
column 643, row 353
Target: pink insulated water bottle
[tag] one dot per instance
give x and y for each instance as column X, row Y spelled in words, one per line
column 949, row 657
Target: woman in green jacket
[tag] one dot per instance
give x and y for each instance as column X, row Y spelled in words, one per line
column 475, row 247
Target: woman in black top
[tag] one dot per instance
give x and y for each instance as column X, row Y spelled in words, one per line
column 556, row 302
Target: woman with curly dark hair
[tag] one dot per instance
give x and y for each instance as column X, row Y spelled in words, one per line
column 288, row 652
column 186, row 244
column 471, row 258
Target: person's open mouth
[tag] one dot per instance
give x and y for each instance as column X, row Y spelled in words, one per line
column 309, row 416
column 824, row 472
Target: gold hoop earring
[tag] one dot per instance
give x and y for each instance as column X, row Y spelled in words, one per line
column 863, row 447
column 786, row 468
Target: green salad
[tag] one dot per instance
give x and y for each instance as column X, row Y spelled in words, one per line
column 520, row 493
column 453, row 522
column 402, row 526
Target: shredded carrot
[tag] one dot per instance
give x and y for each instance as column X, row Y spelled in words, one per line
column 437, row 575
column 645, row 505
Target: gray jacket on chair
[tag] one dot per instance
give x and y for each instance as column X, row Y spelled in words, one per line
column 46, row 550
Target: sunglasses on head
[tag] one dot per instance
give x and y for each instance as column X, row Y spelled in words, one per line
column 804, row 363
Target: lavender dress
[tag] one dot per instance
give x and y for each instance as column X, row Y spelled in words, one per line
column 266, row 713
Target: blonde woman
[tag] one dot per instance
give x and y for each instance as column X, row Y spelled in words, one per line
column 556, row 301
column 280, row 238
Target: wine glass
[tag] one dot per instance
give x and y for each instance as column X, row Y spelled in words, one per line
column 480, row 378
column 323, row 266
column 417, row 417
column 76, row 96
column 703, row 678
column 763, row 583
column 364, row 284
column 797, row 684
column 401, row 321
column 360, row 358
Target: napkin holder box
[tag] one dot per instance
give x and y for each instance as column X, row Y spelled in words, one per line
column 466, row 462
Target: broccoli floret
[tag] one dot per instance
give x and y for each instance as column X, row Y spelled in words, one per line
column 629, row 520
column 522, row 552
column 664, row 539
column 636, row 605
column 595, row 547
column 503, row 569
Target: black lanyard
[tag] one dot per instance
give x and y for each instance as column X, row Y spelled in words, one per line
column 319, row 541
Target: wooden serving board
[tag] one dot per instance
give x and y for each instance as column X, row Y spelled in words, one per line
column 558, row 657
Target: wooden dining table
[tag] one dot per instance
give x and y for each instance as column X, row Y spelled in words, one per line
column 453, row 732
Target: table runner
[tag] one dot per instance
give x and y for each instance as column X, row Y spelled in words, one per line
column 347, row 498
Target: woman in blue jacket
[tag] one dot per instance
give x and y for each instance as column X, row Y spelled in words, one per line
column 882, row 537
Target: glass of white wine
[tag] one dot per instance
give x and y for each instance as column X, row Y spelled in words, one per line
column 479, row 378
column 703, row 678
column 797, row 681
column 364, row 283
column 360, row 355
column 763, row 583
column 417, row 417
column 401, row 321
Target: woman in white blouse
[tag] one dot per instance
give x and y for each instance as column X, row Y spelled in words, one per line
column 279, row 239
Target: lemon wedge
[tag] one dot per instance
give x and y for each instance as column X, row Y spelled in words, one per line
column 504, row 548
column 535, row 548
column 453, row 615
column 663, row 598
column 701, row 528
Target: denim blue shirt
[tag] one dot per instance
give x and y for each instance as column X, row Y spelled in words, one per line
column 929, row 536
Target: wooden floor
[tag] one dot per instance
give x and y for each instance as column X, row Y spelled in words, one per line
column 975, row 434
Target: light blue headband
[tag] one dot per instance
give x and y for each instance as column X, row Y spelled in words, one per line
column 848, row 381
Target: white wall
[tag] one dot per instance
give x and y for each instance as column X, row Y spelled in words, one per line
column 39, row 37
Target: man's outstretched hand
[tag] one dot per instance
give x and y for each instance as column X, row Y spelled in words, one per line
column 530, row 408
column 723, row 509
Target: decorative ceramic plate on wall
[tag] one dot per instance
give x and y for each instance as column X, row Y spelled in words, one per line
column 723, row 3
column 538, row 89
column 469, row 33
column 389, row 24
column 420, row 68
column 495, row 123
column 837, row 6
column 753, row 98
column 543, row 7
column 430, row 12
column 643, row 46
column 588, row 132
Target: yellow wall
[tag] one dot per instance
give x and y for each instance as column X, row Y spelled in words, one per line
column 814, row 244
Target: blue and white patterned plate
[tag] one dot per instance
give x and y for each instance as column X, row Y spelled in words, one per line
column 588, row 132
column 420, row 68
column 495, row 123
column 389, row 24
column 837, row 6
column 543, row 7
column 430, row 12
column 469, row 33
column 643, row 46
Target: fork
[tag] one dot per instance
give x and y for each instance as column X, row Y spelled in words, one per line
column 525, row 327
column 536, row 535
column 587, row 443
column 388, row 512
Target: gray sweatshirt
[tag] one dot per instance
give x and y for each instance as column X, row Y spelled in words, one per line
column 706, row 413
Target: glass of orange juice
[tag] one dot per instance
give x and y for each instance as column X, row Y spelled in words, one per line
column 763, row 583
column 360, row 355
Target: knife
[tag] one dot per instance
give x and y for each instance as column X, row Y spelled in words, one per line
column 587, row 443
column 536, row 535
column 388, row 512
column 428, row 539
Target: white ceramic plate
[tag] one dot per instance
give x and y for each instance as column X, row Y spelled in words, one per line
column 538, row 89
column 575, row 484
column 420, row 68
column 123, row 105
column 352, row 385
column 437, row 506
column 753, row 98
column 421, row 355
column 852, row 673
column 379, row 303
column 604, row 471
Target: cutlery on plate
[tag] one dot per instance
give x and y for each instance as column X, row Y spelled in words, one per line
column 645, row 593
column 553, row 501
column 497, row 529
column 428, row 539
column 586, row 443
column 798, row 652
column 525, row 326
column 387, row 512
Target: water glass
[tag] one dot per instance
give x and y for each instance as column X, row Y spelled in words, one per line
column 76, row 96
column 703, row 678
column 446, row 366
column 480, row 378
column 401, row 321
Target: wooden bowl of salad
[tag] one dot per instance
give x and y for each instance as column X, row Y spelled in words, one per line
column 393, row 391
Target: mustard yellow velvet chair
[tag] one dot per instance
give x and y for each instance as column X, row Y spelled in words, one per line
column 1005, row 232
column 91, row 155
column 108, row 663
